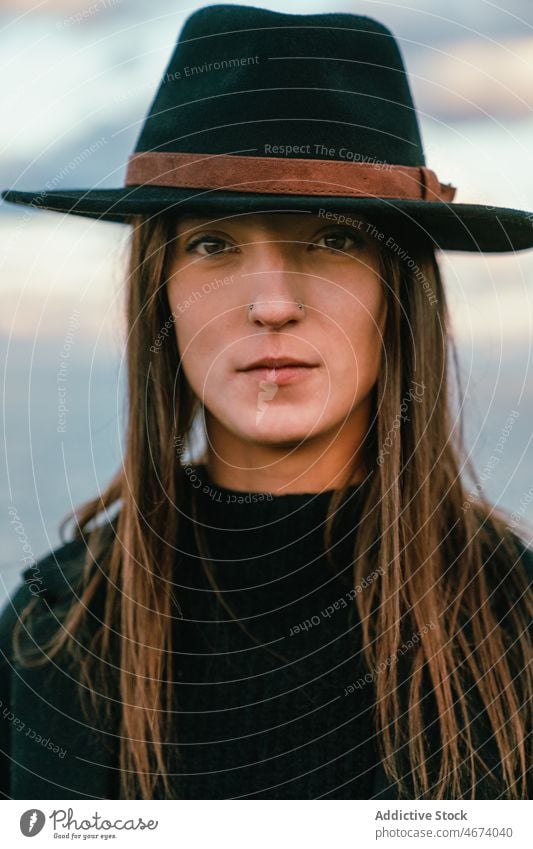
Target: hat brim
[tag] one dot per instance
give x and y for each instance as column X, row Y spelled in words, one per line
column 451, row 226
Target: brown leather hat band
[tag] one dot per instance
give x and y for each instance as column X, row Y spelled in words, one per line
column 286, row 176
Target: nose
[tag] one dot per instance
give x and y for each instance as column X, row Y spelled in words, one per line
column 274, row 313
column 274, row 301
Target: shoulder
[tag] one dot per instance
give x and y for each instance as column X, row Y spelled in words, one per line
column 508, row 570
column 522, row 559
column 44, row 579
column 526, row 558
column 51, row 575
column 505, row 552
column 52, row 581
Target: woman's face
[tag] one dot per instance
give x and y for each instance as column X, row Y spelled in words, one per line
column 276, row 261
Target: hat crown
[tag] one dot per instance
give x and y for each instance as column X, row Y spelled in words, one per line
column 251, row 107
column 256, row 82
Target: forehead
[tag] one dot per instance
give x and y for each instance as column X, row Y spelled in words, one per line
column 271, row 221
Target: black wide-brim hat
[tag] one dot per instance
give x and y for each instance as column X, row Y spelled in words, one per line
column 267, row 111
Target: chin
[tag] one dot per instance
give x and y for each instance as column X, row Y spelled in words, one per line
column 273, row 427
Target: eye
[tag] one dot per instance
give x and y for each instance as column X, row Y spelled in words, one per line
column 339, row 241
column 211, row 245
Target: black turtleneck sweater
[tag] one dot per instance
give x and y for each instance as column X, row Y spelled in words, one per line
column 265, row 714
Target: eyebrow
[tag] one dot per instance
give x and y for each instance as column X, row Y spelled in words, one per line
column 188, row 221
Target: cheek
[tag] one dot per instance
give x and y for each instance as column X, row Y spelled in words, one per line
column 358, row 317
column 191, row 339
column 201, row 343
column 184, row 298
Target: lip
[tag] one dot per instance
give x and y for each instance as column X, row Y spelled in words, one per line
column 281, row 376
column 277, row 363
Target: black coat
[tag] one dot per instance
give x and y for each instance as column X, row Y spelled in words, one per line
column 47, row 750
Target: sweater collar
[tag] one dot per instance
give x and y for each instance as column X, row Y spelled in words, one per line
column 256, row 526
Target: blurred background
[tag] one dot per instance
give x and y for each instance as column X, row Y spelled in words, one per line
column 77, row 78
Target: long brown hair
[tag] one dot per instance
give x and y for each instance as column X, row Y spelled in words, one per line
column 423, row 534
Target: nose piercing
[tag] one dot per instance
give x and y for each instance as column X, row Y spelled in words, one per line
column 300, row 306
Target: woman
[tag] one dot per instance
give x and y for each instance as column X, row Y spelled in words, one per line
column 317, row 606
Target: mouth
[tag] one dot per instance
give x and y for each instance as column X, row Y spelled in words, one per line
column 280, row 375
column 276, row 363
